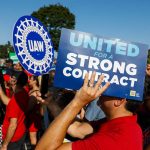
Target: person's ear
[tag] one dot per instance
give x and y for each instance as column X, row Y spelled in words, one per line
column 119, row 102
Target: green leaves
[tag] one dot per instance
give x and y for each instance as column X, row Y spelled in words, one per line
column 5, row 49
column 55, row 17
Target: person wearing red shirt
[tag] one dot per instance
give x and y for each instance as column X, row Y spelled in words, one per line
column 14, row 128
column 114, row 134
column 119, row 131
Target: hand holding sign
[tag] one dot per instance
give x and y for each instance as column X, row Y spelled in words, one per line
column 89, row 91
column 122, row 63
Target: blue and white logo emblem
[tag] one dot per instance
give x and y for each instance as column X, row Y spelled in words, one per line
column 33, row 45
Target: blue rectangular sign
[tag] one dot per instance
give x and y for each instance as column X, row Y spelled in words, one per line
column 122, row 63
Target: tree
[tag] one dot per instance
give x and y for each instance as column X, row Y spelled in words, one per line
column 55, row 17
column 5, row 49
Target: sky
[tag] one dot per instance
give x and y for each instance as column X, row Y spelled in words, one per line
column 128, row 20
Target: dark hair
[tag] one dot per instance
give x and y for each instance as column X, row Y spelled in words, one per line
column 132, row 105
column 9, row 61
column 22, row 79
column 61, row 99
column 64, row 98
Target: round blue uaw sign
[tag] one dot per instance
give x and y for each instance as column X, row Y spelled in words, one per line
column 33, row 45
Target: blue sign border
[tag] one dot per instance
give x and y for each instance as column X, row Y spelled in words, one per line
column 71, row 64
column 33, row 63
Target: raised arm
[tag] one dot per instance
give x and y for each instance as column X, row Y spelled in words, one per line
column 3, row 97
column 54, row 135
column 10, row 133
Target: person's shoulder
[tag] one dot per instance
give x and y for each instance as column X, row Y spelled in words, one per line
column 12, row 101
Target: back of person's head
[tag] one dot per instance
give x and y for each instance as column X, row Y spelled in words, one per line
column 132, row 105
column 61, row 99
column 22, row 79
column 64, row 98
column 9, row 63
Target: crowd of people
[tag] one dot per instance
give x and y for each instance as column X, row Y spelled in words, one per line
column 83, row 119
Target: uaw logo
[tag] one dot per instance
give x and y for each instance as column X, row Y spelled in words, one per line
column 33, row 45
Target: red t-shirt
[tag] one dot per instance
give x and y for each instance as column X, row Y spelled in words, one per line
column 117, row 134
column 8, row 93
column 16, row 108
